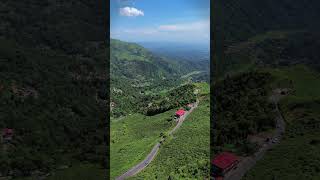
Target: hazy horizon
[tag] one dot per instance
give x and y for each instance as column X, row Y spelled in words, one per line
column 143, row 21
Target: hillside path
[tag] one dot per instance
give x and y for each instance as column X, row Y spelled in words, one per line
column 139, row 167
column 248, row 162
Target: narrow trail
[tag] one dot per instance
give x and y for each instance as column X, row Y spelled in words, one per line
column 143, row 164
column 248, row 162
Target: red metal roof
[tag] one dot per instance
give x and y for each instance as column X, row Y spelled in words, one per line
column 7, row 131
column 224, row 160
column 180, row 112
column 218, row 178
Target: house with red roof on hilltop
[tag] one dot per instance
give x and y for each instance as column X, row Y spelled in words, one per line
column 223, row 163
column 180, row 113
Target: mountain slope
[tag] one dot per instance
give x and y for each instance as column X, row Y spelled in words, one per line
column 137, row 73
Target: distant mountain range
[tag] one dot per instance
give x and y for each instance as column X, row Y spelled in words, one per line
column 180, row 51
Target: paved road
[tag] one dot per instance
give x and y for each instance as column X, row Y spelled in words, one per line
column 139, row 167
column 248, row 162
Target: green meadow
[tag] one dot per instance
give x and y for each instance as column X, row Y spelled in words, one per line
column 203, row 87
column 133, row 137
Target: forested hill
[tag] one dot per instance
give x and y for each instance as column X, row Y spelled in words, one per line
column 131, row 59
column 53, row 86
column 136, row 73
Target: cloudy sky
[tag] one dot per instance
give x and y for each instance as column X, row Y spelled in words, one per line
column 183, row 21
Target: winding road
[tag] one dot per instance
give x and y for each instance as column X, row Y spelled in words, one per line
column 248, row 162
column 139, row 167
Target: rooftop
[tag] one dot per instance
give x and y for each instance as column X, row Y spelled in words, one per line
column 224, row 160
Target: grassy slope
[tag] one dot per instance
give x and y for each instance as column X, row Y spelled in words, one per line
column 306, row 81
column 204, row 88
column 186, row 154
column 133, row 137
column 80, row 172
column 296, row 157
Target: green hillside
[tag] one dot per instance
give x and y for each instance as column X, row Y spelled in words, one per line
column 129, row 144
column 185, row 155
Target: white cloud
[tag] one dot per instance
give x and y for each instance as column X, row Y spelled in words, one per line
column 193, row 26
column 194, row 31
column 130, row 11
column 145, row 31
column 169, row 27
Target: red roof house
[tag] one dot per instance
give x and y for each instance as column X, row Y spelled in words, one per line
column 218, row 178
column 223, row 162
column 180, row 112
column 7, row 132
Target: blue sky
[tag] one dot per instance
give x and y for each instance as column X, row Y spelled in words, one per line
column 182, row 21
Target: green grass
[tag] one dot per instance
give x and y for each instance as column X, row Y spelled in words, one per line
column 133, row 137
column 298, row 154
column 185, row 155
column 79, row 172
column 306, row 82
column 203, row 87
column 293, row 159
